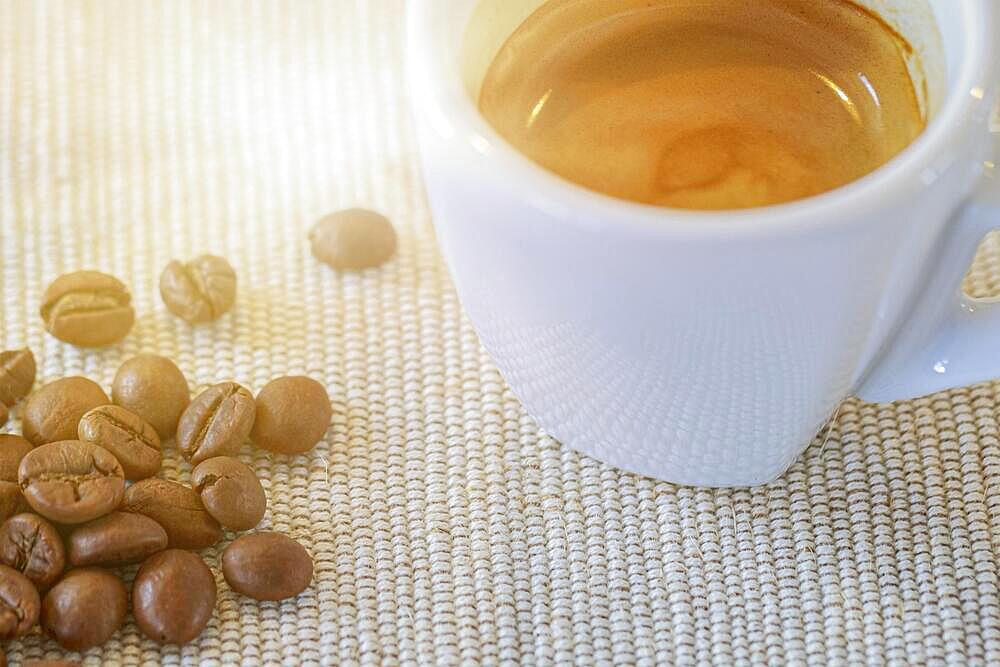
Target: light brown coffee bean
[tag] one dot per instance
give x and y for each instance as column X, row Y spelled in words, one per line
column 32, row 546
column 173, row 596
column 71, row 481
column 53, row 412
column 153, row 388
column 19, row 603
column 84, row 609
column 353, row 239
column 293, row 413
column 12, row 449
column 230, row 491
column 17, row 375
column 267, row 566
column 217, row 422
column 118, row 538
column 177, row 509
column 87, row 309
column 200, row 290
column 127, row 436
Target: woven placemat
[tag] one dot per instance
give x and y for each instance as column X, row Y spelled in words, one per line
column 446, row 528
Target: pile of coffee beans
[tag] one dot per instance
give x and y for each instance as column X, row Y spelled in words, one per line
column 80, row 496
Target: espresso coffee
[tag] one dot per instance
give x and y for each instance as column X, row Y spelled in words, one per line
column 705, row 105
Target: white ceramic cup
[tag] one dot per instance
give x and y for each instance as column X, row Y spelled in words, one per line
column 709, row 348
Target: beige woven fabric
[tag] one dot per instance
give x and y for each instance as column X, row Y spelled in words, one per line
column 446, row 528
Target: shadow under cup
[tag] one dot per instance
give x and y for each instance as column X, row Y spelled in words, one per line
column 703, row 348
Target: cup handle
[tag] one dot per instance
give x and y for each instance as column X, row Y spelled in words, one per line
column 951, row 340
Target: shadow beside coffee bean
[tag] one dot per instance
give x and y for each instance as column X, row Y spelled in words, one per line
column 78, row 490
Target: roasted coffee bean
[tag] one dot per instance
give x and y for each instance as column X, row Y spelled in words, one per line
column 71, row 481
column 17, row 375
column 153, row 388
column 353, row 239
column 200, row 290
column 127, row 436
column 173, row 596
column 32, row 546
column 267, row 566
column 53, row 412
column 88, row 309
column 19, row 603
column 293, row 413
column 116, row 539
column 12, row 449
column 217, row 422
column 11, row 500
column 84, row 609
column 230, row 491
column 177, row 509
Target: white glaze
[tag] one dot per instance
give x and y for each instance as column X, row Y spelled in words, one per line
column 706, row 348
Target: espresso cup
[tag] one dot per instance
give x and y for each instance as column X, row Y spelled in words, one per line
column 708, row 348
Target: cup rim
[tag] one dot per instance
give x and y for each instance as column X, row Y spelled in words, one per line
column 437, row 87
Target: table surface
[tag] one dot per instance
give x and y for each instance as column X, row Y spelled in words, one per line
column 445, row 526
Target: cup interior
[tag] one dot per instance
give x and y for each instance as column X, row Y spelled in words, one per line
column 932, row 27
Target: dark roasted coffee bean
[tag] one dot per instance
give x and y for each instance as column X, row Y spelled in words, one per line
column 153, row 388
column 71, row 481
column 267, row 566
column 217, row 422
column 177, row 509
column 53, row 412
column 84, row 609
column 127, row 436
column 293, row 413
column 355, row 239
column 116, row 539
column 88, row 309
column 12, row 449
column 200, row 290
column 32, row 546
column 19, row 603
column 17, row 375
column 173, row 596
column 230, row 491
